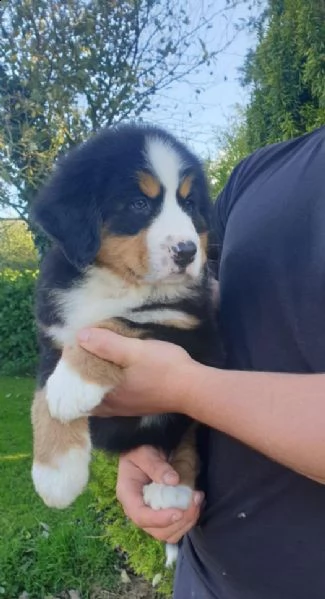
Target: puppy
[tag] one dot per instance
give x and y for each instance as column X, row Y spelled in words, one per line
column 128, row 213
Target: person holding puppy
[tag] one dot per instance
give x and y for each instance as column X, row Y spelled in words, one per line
column 260, row 531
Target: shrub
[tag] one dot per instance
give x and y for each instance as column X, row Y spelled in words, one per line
column 145, row 556
column 17, row 249
column 18, row 348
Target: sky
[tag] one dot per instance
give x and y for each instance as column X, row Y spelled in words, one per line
column 197, row 119
column 212, row 109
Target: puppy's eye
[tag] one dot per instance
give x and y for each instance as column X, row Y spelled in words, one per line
column 188, row 204
column 140, row 205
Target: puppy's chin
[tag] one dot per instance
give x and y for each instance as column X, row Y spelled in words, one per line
column 176, row 277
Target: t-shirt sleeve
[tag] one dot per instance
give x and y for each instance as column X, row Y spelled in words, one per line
column 224, row 202
column 221, row 210
column 243, row 174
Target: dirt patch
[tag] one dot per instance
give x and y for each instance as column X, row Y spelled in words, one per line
column 136, row 589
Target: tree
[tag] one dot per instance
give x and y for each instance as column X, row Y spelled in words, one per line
column 286, row 72
column 68, row 68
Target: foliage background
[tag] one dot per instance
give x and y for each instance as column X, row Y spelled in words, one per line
column 18, row 351
column 17, row 249
column 285, row 79
column 69, row 68
column 286, row 72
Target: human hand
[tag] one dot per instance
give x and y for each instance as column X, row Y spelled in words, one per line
column 153, row 373
column 140, row 467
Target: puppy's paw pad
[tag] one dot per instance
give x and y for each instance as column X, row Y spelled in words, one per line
column 158, row 496
column 171, row 554
column 70, row 397
column 62, row 481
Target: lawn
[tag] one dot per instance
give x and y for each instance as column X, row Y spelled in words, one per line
column 42, row 552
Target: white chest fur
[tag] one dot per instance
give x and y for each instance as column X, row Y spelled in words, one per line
column 101, row 295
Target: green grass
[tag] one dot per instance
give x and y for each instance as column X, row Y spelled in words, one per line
column 42, row 551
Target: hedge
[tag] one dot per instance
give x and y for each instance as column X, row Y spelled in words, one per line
column 17, row 249
column 18, row 347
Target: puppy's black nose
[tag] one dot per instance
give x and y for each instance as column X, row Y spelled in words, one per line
column 184, row 253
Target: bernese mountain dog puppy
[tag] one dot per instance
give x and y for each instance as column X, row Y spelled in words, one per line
column 128, row 213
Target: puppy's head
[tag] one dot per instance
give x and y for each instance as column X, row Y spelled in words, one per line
column 133, row 199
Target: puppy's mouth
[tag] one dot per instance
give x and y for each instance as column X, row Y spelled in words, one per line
column 179, row 274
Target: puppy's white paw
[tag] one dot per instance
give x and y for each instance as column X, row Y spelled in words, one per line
column 60, row 483
column 171, row 554
column 70, row 397
column 158, row 496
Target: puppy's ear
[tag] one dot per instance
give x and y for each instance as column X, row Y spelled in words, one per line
column 67, row 211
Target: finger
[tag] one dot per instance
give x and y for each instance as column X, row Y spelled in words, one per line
column 109, row 346
column 177, row 536
column 129, row 491
column 104, row 410
column 174, row 532
column 145, row 517
column 155, row 465
column 167, row 536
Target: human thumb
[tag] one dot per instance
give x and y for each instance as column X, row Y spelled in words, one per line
column 108, row 345
column 155, row 465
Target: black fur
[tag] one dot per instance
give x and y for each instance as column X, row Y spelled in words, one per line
column 91, row 188
column 203, row 344
column 94, row 188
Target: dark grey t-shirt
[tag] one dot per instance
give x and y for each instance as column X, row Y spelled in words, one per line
column 262, row 535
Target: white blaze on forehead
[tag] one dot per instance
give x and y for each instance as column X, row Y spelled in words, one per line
column 165, row 162
column 168, row 165
column 172, row 225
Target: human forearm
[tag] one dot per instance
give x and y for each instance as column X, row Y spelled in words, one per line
column 280, row 415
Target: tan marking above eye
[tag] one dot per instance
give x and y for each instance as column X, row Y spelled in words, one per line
column 149, row 185
column 185, row 187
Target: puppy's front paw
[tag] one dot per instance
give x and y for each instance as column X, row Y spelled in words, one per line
column 70, row 397
column 159, row 497
column 60, row 482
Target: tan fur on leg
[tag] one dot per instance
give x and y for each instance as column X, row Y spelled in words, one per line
column 93, row 369
column 185, row 459
column 161, row 496
column 61, row 455
column 51, row 437
column 62, row 443
column 81, row 380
